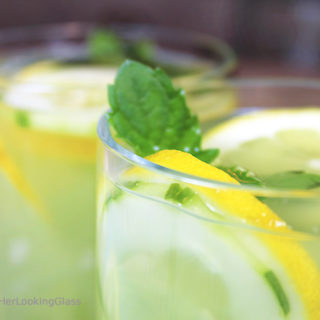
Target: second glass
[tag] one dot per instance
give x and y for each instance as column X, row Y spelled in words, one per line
column 51, row 95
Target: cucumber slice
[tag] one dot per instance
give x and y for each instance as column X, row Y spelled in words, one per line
column 158, row 261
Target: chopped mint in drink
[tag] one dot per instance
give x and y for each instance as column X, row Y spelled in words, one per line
column 243, row 175
column 275, row 284
column 178, row 193
column 283, row 180
column 22, row 118
column 293, row 180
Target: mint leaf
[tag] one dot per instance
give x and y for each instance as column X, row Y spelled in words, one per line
column 143, row 51
column 284, row 180
column 149, row 114
column 275, row 285
column 293, row 180
column 22, row 119
column 242, row 175
column 105, row 46
column 178, row 194
column 208, row 155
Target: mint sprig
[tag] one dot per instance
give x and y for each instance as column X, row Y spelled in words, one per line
column 179, row 194
column 293, row 180
column 277, row 288
column 150, row 114
column 290, row 180
column 106, row 46
column 243, row 175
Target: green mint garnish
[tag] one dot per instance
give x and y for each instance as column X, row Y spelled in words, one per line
column 22, row 119
column 283, row 180
column 105, row 46
column 242, row 175
column 275, row 284
column 149, row 114
column 115, row 195
column 293, row 180
column 143, row 51
column 178, row 194
column 131, row 184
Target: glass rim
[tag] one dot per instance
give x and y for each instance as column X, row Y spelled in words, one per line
column 106, row 138
column 47, row 33
column 267, row 82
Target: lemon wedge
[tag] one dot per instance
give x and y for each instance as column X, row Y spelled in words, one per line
column 14, row 175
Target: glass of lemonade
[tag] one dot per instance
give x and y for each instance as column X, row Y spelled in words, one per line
column 51, row 96
column 182, row 239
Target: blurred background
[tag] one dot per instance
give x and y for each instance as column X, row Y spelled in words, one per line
column 270, row 37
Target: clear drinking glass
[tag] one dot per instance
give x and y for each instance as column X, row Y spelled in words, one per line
column 159, row 259
column 48, row 157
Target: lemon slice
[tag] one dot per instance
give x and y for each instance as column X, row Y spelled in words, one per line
column 15, row 176
column 56, row 97
column 170, row 262
column 268, row 142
